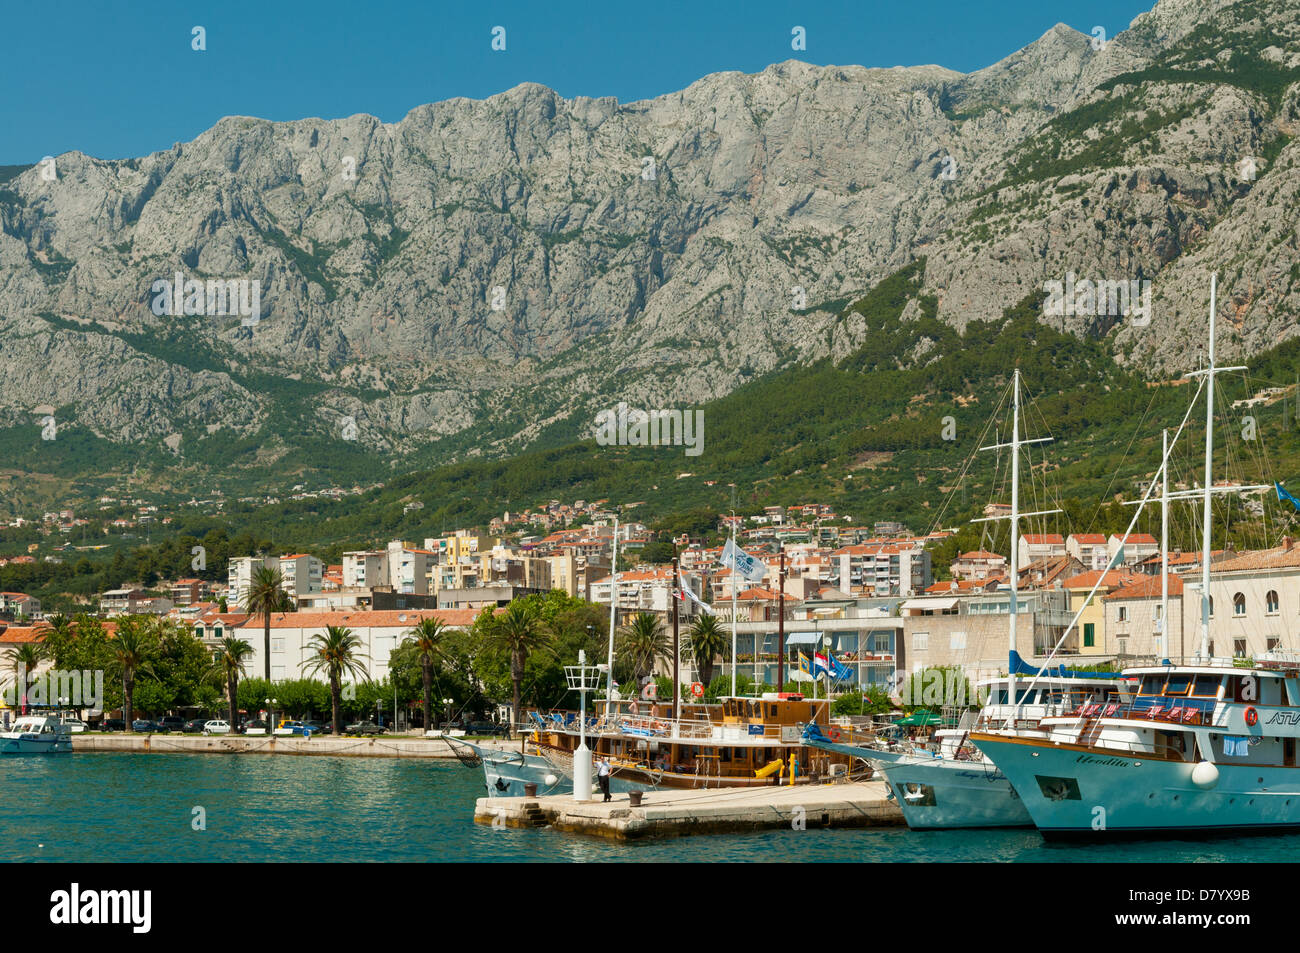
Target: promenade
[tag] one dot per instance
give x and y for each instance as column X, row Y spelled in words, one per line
column 381, row 746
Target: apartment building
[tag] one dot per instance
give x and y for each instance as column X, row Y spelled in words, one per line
column 1131, row 551
column 882, row 570
column 1036, row 546
column 979, row 564
column 239, row 575
column 365, row 569
column 1134, row 627
column 1090, row 549
column 185, row 592
column 301, row 573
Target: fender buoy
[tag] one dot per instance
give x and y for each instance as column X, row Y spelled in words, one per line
column 1252, row 717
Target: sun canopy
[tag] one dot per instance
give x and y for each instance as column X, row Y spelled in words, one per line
column 802, row 638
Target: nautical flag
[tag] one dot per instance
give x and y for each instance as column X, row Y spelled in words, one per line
column 733, row 557
column 1284, row 495
column 827, row 665
column 803, row 664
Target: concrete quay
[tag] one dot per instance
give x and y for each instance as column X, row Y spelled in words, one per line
column 673, row 813
column 377, row 747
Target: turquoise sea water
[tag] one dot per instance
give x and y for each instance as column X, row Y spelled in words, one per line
column 139, row 808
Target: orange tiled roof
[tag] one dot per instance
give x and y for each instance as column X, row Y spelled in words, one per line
column 1147, row 586
column 1112, row 577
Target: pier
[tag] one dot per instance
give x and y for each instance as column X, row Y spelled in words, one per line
column 673, row 813
column 381, row 746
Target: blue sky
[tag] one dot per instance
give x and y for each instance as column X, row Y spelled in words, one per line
column 121, row 79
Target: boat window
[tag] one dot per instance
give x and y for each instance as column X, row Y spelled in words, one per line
column 1178, row 684
column 772, row 710
column 1152, row 684
column 1206, row 686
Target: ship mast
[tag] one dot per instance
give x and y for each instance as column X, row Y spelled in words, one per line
column 1203, row 652
column 1015, row 445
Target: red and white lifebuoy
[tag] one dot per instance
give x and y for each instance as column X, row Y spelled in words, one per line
column 697, row 689
column 1252, row 717
column 833, row 734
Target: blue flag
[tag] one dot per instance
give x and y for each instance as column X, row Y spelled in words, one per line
column 1284, row 495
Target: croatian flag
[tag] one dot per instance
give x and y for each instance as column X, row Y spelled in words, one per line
column 824, row 665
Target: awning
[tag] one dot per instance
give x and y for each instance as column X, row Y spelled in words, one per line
column 931, row 605
column 802, row 638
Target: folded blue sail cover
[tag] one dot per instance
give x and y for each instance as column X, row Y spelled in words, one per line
column 1018, row 666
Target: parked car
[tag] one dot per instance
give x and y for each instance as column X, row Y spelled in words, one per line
column 254, row 728
column 216, row 727
column 171, row 723
column 364, row 728
column 289, row 728
column 194, row 726
column 318, row 727
column 74, row 725
column 488, row 728
column 143, row 726
column 112, row 724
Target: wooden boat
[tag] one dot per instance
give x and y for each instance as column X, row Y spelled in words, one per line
column 741, row 742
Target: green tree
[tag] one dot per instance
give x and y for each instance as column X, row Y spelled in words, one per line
column 24, row 659
column 337, row 652
column 642, row 642
column 227, row 667
column 265, row 597
column 519, row 633
column 428, row 638
column 131, row 649
column 705, row 641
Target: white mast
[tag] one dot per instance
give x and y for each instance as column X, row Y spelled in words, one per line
column 1015, row 543
column 733, row 605
column 1164, row 543
column 613, row 603
column 1015, row 445
column 1206, row 517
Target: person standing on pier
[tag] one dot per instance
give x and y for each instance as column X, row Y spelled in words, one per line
column 602, row 777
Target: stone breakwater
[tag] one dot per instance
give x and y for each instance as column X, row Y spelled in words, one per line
column 378, row 747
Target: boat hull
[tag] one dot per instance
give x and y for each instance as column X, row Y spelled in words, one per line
column 35, row 745
column 1074, row 793
column 935, row 793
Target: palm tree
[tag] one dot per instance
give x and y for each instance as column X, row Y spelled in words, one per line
column 131, row 648
column 707, row 640
column 227, row 666
column 338, row 653
column 265, row 596
column 428, row 638
column 24, row 660
column 519, row 633
column 642, row 641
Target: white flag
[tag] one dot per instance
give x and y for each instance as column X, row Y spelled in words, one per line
column 733, row 557
column 704, row 606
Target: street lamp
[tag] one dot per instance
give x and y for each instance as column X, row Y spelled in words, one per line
column 394, row 678
column 446, row 707
column 270, row 714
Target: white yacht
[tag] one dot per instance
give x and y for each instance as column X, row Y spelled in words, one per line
column 949, row 783
column 1207, row 745
column 36, row 734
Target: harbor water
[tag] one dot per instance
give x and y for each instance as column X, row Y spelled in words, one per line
column 106, row 807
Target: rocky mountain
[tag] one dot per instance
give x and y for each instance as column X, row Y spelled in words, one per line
column 486, row 274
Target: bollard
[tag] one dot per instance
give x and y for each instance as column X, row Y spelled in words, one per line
column 634, row 798
column 530, row 789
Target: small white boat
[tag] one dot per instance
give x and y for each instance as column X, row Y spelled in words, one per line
column 36, row 734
